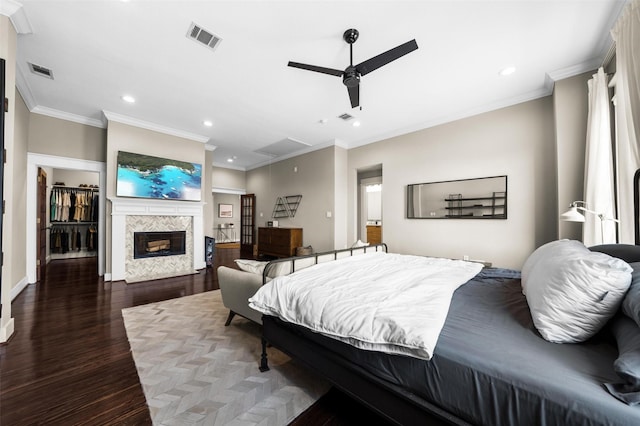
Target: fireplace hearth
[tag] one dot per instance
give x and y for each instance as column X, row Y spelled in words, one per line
column 156, row 244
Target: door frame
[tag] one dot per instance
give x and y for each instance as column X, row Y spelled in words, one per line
column 41, row 223
column 43, row 160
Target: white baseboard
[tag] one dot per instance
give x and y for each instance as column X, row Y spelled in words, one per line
column 107, row 277
column 6, row 331
column 17, row 289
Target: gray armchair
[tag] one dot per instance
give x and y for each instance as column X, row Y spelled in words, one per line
column 236, row 287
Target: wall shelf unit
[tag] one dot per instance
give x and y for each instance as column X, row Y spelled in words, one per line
column 286, row 206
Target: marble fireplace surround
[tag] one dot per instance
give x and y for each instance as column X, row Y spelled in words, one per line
column 133, row 215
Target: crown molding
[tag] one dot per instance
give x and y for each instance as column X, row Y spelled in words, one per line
column 67, row 116
column 586, row 66
column 228, row 166
column 17, row 16
column 9, row 7
column 119, row 118
column 210, row 147
column 25, row 90
column 235, row 191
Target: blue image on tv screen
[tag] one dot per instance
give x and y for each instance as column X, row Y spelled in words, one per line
column 144, row 176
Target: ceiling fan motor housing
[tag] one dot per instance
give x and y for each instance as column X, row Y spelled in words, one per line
column 351, row 77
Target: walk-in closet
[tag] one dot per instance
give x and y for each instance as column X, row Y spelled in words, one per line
column 72, row 212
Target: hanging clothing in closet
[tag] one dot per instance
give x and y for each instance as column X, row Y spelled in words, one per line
column 92, row 238
column 69, row 204
column 65, row 239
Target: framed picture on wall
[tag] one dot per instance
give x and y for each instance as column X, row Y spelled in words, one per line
column 225, row 210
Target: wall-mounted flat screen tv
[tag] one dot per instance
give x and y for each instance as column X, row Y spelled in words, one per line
column 144, row 176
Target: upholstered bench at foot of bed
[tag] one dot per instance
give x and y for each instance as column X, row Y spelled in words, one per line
column 236, row 287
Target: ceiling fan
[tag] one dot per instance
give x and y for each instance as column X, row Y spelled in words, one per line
column 351, row 75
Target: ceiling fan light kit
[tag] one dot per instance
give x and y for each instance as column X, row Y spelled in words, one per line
column 351, row 75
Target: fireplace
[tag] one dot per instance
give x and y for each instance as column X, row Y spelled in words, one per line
column 155, row 244
column 129, row 216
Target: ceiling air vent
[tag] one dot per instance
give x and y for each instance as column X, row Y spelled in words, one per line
column 41, row 71
column 202, row 36
column 346, row 117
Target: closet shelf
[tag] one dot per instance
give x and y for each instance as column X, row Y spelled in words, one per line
column 71, row 222
column 85, row 188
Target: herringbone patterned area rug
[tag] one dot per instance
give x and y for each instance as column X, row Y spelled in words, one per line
column 196, row 371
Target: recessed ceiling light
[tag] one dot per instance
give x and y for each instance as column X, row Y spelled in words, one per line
column 508, row 71
column 208, row 123
column 128, row 98
column 356, row 124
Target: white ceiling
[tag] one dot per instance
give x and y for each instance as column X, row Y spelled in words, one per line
column 101, row 50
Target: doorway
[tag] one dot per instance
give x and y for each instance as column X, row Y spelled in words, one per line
column 370, row 204
column 35, row 161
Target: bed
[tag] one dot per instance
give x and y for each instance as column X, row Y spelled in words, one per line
column 490, row 365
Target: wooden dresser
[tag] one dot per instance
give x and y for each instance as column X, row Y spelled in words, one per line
column 374, row 234
column 279, row 242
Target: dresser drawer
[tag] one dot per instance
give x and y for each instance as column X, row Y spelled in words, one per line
column 279, row 242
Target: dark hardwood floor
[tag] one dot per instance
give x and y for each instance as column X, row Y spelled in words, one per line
column 69, row 361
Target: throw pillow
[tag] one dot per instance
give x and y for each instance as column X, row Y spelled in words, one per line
column 253, row 266
column 571, row 291
column 631, row 302
column 627, row 366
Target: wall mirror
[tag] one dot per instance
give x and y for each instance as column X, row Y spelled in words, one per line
column 480, row 198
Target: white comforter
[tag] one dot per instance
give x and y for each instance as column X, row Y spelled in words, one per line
column 378, row 301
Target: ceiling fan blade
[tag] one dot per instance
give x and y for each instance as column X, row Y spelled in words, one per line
column 323, row 70
column 354, row 95
column 384, row 58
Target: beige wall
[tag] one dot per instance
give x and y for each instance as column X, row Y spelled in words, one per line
column 19, row 196
column 341, row 212
column 570, row 102
column 517, row 141
column 73, row 177
column 62, row 138
column 14, row 183
column 314, row 180
column 123, row 137
column 222, row 178
column 234, row 200
column 207, row 196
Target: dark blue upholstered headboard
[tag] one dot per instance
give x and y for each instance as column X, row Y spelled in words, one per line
column 627, row 252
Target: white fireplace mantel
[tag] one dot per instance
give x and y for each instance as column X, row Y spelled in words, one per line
column 123, row 207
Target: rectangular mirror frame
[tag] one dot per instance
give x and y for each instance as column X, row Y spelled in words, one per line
column 478, row 198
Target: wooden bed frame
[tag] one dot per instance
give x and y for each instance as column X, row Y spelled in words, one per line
column 391, row 401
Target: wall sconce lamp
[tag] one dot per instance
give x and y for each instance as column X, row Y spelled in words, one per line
column 574, row 215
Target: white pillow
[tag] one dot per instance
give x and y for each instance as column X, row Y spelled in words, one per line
column 359, row 243
column 253, row 266
column 257, row 267
column 571, row 291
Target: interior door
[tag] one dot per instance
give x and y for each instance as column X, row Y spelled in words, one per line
column 247, row 225
column 41, row 223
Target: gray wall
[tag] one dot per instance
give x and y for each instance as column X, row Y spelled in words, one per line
column 314, row 180
column 517, row 141
column 570, row 105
